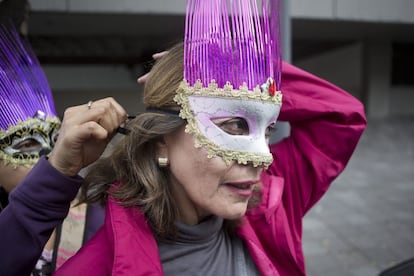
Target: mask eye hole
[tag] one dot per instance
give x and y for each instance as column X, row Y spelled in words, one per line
column 54, row 137
column 28, row 145
column 233, row 126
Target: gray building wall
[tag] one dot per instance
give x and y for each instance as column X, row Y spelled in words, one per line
column 75, row 84
column 369, row 10
column 348, row 42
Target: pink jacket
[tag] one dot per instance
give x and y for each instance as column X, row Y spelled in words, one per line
column 326, row 124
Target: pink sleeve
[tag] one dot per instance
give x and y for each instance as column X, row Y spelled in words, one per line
column 326, row 124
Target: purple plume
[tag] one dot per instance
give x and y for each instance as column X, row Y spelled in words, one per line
column 232, row 40
column 24, row 88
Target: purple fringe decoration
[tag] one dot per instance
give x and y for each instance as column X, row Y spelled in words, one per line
column 232, row 40
column 24, row 88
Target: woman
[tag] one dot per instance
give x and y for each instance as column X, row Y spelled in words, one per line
column 175, row 208
column 30, row 209
column 28, row 130
column 41, row 201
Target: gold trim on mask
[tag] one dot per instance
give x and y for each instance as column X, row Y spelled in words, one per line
column 25, row 159
column 181, row 98
column 229, row 92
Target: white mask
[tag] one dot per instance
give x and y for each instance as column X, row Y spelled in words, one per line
column 258, row 110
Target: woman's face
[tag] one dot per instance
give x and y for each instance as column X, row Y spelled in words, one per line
column 10, row 176
column 205, row 186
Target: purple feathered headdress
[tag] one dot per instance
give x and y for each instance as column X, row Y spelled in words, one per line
column 24, row 89
column 235, row 41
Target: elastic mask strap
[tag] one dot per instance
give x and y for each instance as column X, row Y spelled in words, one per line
column 167, row 112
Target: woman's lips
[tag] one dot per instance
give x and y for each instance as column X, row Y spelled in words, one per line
column 244, row 188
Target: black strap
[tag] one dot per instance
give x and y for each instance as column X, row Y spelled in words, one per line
column 170, row 112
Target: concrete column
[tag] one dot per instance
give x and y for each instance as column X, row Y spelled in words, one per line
column 286, row 30
column 283, row 128
column 377, row 78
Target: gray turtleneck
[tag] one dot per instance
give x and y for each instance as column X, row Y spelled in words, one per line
column 205, row 249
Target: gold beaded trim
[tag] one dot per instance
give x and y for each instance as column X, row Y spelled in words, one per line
column 228, row 91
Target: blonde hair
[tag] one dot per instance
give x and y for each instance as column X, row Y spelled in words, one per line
column 164, row 79
column 133, row 160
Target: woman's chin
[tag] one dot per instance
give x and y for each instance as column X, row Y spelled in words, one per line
column 235, row 212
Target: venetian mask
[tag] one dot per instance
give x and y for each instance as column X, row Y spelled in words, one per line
column 25, row 142
column 201, row 107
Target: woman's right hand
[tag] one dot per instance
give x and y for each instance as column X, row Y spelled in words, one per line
column 156, row 56
column 86, row 130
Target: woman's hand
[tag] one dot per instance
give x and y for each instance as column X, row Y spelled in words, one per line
column 156, row 56
column 86, row 130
